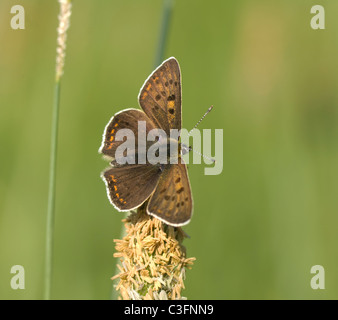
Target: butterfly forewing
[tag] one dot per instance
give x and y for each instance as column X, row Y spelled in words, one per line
column 129, row 186
column 160, row 96
column 172, row 200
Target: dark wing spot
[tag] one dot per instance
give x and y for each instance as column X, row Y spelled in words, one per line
column 158, row 97
column 178, row 205
column 171, row 110
column 180, row 190
column 167, row 197
column 171, row 81
column 175, row 83
column 173, row 198
column 163, row 93
column 166, row 84
column 182, row 203
column 171, row 98
column 178, row 180
column 163, row 190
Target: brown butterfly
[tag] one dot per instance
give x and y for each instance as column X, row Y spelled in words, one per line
column 166, row 186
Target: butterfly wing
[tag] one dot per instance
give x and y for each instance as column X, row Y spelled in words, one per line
column 126, row 119
column 160, row 96
column 129, row 186
column 172, row 200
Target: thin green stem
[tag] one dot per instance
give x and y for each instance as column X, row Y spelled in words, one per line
column 64, row 20
column 51, row 193
column 166, row 19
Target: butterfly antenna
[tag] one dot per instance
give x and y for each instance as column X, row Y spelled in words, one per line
column 210, row 108
column 202, row 155
column 190, row 148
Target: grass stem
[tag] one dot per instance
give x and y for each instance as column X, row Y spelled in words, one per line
column 64, row 19
column 51, row 193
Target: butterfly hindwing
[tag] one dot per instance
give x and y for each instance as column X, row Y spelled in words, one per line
column 160, row 96
column 129, row 186
column 172, row 200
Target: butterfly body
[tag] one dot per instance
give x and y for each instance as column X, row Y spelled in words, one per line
column 163, row 182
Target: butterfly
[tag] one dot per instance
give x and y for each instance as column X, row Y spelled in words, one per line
column 165, row 187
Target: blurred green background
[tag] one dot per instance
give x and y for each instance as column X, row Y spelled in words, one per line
column 257, row 228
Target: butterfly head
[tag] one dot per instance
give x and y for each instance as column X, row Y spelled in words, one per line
column 185, row 149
